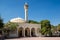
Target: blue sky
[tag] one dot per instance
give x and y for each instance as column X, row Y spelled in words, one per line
column 38, row 10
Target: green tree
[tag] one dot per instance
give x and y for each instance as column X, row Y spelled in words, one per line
column 1, row 23
column 53, row 28
column 11, row 26
column 33, row 22
column 45, row 27
column 58, row 27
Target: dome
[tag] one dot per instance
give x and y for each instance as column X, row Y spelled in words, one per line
column 17, row 20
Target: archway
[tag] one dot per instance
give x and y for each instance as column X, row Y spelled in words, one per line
column 33, row 32
column 27, row 32
column 20, row 32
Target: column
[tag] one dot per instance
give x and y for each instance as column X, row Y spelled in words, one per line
column 24, row 32
column 35, row 32
column 30, row 32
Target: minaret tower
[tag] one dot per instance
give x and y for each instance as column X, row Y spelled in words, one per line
column 26, row 12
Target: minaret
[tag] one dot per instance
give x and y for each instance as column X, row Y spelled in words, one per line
column 26, row 12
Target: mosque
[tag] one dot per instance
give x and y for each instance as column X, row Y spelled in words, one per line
column 25, row 29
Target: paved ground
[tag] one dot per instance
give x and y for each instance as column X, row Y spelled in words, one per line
column 37, row 38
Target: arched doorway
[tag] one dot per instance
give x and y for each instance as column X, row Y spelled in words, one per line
column 27, row 32
column 20, row 32
column 33, row 32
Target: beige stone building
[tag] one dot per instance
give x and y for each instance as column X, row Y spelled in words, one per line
column 25, row 29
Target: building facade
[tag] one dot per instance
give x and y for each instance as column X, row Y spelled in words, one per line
column 25, row 29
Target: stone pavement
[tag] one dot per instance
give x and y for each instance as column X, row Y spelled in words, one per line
column 37, row 38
